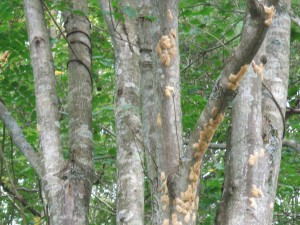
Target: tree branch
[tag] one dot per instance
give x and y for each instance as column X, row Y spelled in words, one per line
column 292, row 144
column 253, row 34
column 19, row 139
column 110, row 209
column 295, row 19
column 287, row 143
column 290, row 112
column 217, row 146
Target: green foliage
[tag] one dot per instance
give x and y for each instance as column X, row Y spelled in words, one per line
column 211, row 183
column 204, row 28
column 287, row 199
column 295, row 33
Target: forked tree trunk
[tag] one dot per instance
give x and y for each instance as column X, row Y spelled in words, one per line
column 254, row 145
column 174, row 179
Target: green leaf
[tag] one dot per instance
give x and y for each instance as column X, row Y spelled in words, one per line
column 206, row 11
column 295, row 33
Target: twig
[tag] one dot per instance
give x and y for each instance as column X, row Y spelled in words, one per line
column 111, row 210
column 209, row 50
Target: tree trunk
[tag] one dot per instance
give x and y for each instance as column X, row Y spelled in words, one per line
column 67, row 184
column 177, row 177
column 154, row 58
column 183, row 185
column 254, row 145
column 244, row 148
column 78, row 182
column 130, row 158
column 151, row 118
column 276, row 79
column 47, row 109
column 161, row 107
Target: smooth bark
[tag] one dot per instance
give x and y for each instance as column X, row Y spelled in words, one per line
column 150, row 113
column 174, row 178
column 161, row 107
column 46, row 107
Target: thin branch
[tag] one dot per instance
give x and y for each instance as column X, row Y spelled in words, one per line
column 27, row 190
column 217, row 146
column 115, row 30
column 292, row 144
column 216, row 47
column 2, row 149
column 20, row 140
column 45, row 207
column 110, row 209
column 107, row 130
column 296, row 20
column 104, row 157
column 114, row 36
column 209, row 50
column 12, row 158
column 112, row 20
column 287, row 143
column 212, row 5
column 290, row 112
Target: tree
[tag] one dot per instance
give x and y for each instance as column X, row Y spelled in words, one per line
column 147, row 96
column 254, row 145
column 66, row 183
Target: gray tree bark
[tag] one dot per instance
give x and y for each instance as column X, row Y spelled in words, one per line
column 20, row 141
column 155, row 58
column 182, row 185
column 46, row 107
column 78, row 182
column 276, row 79
column 161, row 107
column 174, row 179
column 67, row 184
column 254, row 146
column 130, row 157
